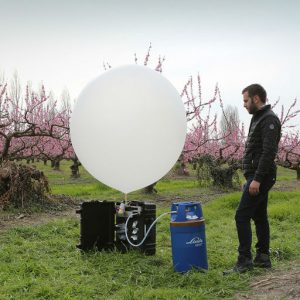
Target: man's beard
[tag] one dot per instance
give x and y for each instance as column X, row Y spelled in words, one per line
column 252, row 109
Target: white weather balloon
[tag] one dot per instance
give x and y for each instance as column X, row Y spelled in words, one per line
column 128, row 127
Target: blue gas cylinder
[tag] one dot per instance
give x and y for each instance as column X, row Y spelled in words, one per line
column 188, row 237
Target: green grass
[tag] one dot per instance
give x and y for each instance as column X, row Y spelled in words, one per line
column 41, row 262
column 86, row 187
column 284, row 174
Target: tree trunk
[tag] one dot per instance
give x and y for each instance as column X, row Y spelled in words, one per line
column 45, row 162
column 6, row 146
column 181, row 169
column 150, row 189
column 75, row 169
column 298, row 173
column 55, row 164
column 194, row 166
column 222, row 176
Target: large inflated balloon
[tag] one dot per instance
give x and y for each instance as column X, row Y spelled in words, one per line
column 128, row 127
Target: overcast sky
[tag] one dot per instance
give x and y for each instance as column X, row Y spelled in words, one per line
column 235, row 43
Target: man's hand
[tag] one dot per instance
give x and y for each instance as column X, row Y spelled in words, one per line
column 254, row 188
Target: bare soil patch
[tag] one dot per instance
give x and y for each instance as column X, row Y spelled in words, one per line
column 59, row 207
column 278, row 284
column 202, row 197
column 65, row 206
column 286, row 185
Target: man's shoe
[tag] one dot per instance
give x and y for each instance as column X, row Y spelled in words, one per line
column 262, row 260
column 244, row 264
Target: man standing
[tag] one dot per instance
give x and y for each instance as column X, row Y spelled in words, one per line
column 260, row 172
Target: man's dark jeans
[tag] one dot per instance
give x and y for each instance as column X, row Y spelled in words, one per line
column 255, row 208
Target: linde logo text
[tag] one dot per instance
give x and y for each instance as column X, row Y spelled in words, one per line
column 197, row 241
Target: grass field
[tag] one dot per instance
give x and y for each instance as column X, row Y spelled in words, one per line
column 42, row 262
column 86, row 187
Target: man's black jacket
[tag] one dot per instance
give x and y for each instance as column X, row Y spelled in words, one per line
column 262, row 144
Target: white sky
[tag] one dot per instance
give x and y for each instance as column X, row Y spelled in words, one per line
column 235, row 43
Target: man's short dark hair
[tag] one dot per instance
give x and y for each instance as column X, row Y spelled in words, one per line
column 256, row 90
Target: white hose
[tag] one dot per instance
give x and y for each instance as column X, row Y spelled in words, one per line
column 147, row 233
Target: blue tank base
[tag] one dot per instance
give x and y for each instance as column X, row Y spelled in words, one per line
column 203, row 269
